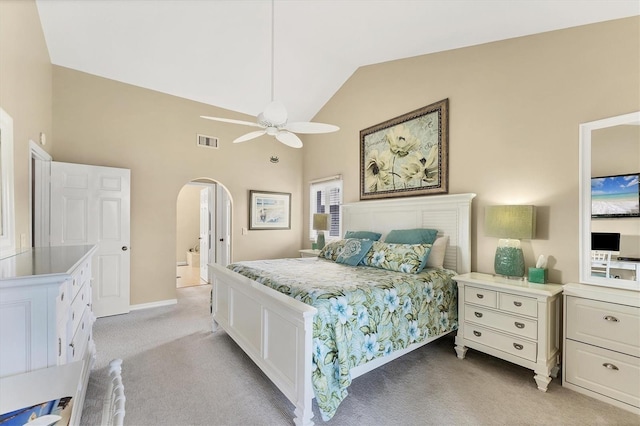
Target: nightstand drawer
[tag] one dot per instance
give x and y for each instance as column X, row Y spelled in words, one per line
column 509, row 323
column 518, row 304
column 481, row 296
column 494, row 339
column 616, row 327
column 607, row 372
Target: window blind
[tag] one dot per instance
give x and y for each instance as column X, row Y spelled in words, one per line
column 325, row 197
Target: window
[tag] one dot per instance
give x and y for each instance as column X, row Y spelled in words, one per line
column 325, row 197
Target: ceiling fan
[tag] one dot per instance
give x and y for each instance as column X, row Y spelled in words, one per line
column 273, row 120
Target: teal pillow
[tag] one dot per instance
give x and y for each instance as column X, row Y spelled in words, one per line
column 354, row 251
column 363, row 235
column 412, row 236
column 408, row 258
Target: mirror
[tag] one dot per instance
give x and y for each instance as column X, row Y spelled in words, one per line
column 7, row 239
column 610, row 148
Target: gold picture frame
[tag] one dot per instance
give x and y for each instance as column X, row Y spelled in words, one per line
column 407, row 155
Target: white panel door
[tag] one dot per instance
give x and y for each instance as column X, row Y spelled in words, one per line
column 223, row 226
column 205, row 232
column 91, row 205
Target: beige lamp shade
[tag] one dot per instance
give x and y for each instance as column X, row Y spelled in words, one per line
column 517, row 222
column 320, row 221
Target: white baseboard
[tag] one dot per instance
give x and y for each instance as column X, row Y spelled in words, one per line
column 158, row 304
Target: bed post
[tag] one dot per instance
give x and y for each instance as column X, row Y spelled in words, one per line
column 214, row 323
column 304, row 411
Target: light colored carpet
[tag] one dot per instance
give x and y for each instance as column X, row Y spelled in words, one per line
column 176, row 372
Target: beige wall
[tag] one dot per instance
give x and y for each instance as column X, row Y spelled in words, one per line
column 103, row 122
column 25, row 94
column 188, row 220
column 515, row 107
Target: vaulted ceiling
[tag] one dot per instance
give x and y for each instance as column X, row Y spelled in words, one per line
column 220, row 52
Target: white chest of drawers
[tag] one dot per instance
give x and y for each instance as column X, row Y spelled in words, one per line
column 45, row 312
column 602, row 344
column 514, row 320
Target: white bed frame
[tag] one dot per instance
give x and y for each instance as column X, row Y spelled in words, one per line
column 275, row 330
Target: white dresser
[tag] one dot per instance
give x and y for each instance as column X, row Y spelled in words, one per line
column 602, row 344
column 514, row 320
column 45, row 312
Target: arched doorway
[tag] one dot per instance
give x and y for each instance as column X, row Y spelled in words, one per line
column 203, row 230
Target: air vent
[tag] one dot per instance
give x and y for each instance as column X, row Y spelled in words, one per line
column 207, row 141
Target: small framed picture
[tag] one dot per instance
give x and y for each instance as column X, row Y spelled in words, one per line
column 269, row 210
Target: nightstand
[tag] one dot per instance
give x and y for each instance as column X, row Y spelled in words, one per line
column 309, row 253
column 517, row 321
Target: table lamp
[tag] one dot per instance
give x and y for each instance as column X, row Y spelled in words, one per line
column 320, row 224
column 510, row 224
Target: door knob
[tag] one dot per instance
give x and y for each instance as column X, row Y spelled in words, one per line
column 124, row 248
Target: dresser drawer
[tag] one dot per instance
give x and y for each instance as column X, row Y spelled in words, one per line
column 616, row 327
column 80, row 277
column 607, row 372
column 520, row 326
column 514, row 346
column 78, row 344
column 518, row 304
column 78, row 307
column 481, row 296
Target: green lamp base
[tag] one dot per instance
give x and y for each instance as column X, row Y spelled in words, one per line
column 320, row 240
column 509, row 260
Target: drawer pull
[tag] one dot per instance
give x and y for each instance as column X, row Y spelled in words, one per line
column 611, row 318
column 519, row 324
column 62, row 297
column 477, row 333
column 518, row 346
column 478, row 314
column 479, row 296
column 518, row 304
column 610, row 366
column 59, row 346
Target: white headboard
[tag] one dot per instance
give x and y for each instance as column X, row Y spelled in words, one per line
column 449, row 214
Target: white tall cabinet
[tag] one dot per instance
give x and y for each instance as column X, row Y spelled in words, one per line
column 46, row 313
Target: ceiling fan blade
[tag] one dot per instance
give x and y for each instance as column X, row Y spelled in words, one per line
column 249, row 136
column 275, row 113
column 308, row 127
column 230, row 120
column 289, row 139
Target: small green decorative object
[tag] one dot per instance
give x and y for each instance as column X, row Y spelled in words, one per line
column 538, row 275
column 509, row 262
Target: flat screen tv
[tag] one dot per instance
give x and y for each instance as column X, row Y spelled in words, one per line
column 605, row 241
column 615, row 196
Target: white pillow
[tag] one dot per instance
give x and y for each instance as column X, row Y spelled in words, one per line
column 436, row 256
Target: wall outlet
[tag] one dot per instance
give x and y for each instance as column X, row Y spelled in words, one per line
column 244, row 231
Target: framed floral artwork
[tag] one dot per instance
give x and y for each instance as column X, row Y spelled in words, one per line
column 407, row 155
column 269, row 210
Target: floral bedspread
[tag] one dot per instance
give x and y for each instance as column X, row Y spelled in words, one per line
column 363, row 313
